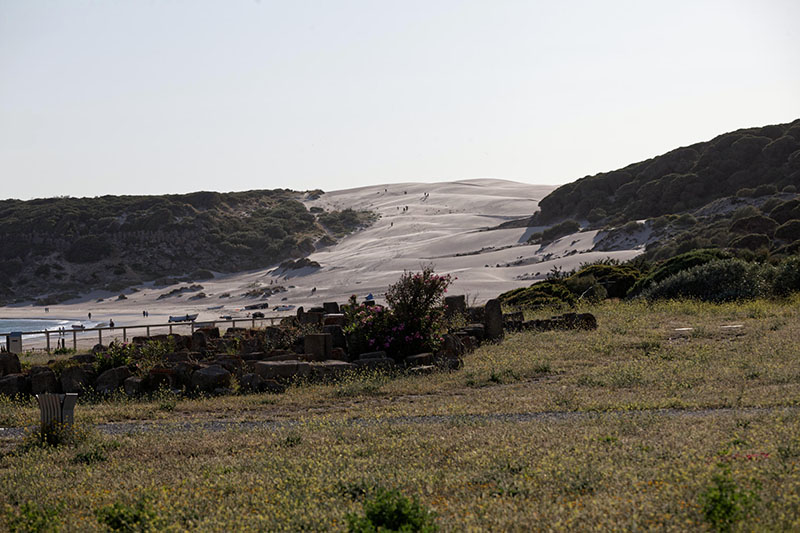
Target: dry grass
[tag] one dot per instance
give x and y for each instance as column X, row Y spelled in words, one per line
column 606, row 459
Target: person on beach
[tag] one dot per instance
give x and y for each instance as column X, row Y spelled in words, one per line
column 111, row 323
column 90, row 316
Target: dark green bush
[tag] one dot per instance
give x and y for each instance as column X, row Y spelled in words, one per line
column 787, row 277
column 717, row 281
column 786, row 211
column 137, row 516
column 550, row 293
column 616, row 279
column 752, row 241
column 755, row 224
column 389, row 511
column 559, row 230
column 677, row 264
column 789, row 231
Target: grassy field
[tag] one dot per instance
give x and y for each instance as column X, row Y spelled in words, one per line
column 638, row 425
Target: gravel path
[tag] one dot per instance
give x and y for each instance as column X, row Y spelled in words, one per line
column 122, row 428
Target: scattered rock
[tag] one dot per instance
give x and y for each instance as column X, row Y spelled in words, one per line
column 9, row 364
column 44, row 380
column 133, row 386
column 112, row 379
column 14, row 384
column 74, row 379
column 211, row 377
column 493, row 320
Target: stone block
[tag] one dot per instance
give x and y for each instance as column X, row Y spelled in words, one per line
column 318, row 346
column 455, row 305
column 282, row 370
column 335, row 319
column 372, row 355
column 493, row 320
column 44, row 381
column 339, row 354
column 419, row 359
column 14, row 384
column 74, row 379
column 112, row 379
column 134, row 386
column 330, row 307
column 209, row 378
column 338, row 339
column 379, row 363
column 9, row 364
column 330, row 368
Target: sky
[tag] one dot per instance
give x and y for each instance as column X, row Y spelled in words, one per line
column 169, row 96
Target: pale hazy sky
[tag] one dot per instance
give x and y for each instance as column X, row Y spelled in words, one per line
column 145, row 97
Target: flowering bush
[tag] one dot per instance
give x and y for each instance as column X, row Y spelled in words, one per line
column 417, row 301
column 117, row 354
column 413, row 323
column 371, row 328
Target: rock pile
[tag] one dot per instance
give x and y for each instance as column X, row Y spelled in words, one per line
column 309, row 346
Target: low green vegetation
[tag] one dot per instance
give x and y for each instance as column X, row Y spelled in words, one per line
column 63, row 246
column 709, row 275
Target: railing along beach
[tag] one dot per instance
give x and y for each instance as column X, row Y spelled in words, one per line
column 60, row 334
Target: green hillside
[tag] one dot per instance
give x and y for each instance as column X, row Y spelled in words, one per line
column 747, row 162
column 57, row 247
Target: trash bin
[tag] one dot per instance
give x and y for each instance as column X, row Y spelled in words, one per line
column 57, row 411
column 14, row 342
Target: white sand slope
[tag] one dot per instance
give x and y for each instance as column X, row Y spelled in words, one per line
column 443, row 224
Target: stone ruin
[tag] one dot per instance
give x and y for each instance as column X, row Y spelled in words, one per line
column 209, row 360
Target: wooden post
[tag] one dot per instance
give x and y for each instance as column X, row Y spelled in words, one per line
column 100, row 336
column 192, row 327
column 254, row 323
column 47, row 334
column 170, row 329
column 74, row 340
column 124, row 334
column 148, row 332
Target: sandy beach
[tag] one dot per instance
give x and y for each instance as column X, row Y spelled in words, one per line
column 443, row 224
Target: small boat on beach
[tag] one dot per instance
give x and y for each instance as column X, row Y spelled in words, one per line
column 78, row 326
column 183, row 318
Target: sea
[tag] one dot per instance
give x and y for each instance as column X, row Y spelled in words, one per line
column 8, row 325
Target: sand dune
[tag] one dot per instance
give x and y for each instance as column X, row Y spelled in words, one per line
column 443, row 224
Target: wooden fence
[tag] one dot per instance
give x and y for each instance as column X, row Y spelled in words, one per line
column 146, row 327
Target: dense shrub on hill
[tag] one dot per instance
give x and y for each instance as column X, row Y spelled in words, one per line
column 559, row 230
column 751, row 241
column 677, row 264
column 549, row 293
column 755, row 224
column 341, row 223
column 717, row 281
column 616, row 279
column 786, row 211
column 789, row 232
column 123, row 240
column 787, row 277
column 759, row 159
column 596, row 281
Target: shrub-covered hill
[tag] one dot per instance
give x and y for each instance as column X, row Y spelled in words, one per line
column 58, row 247
column 753, row 161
